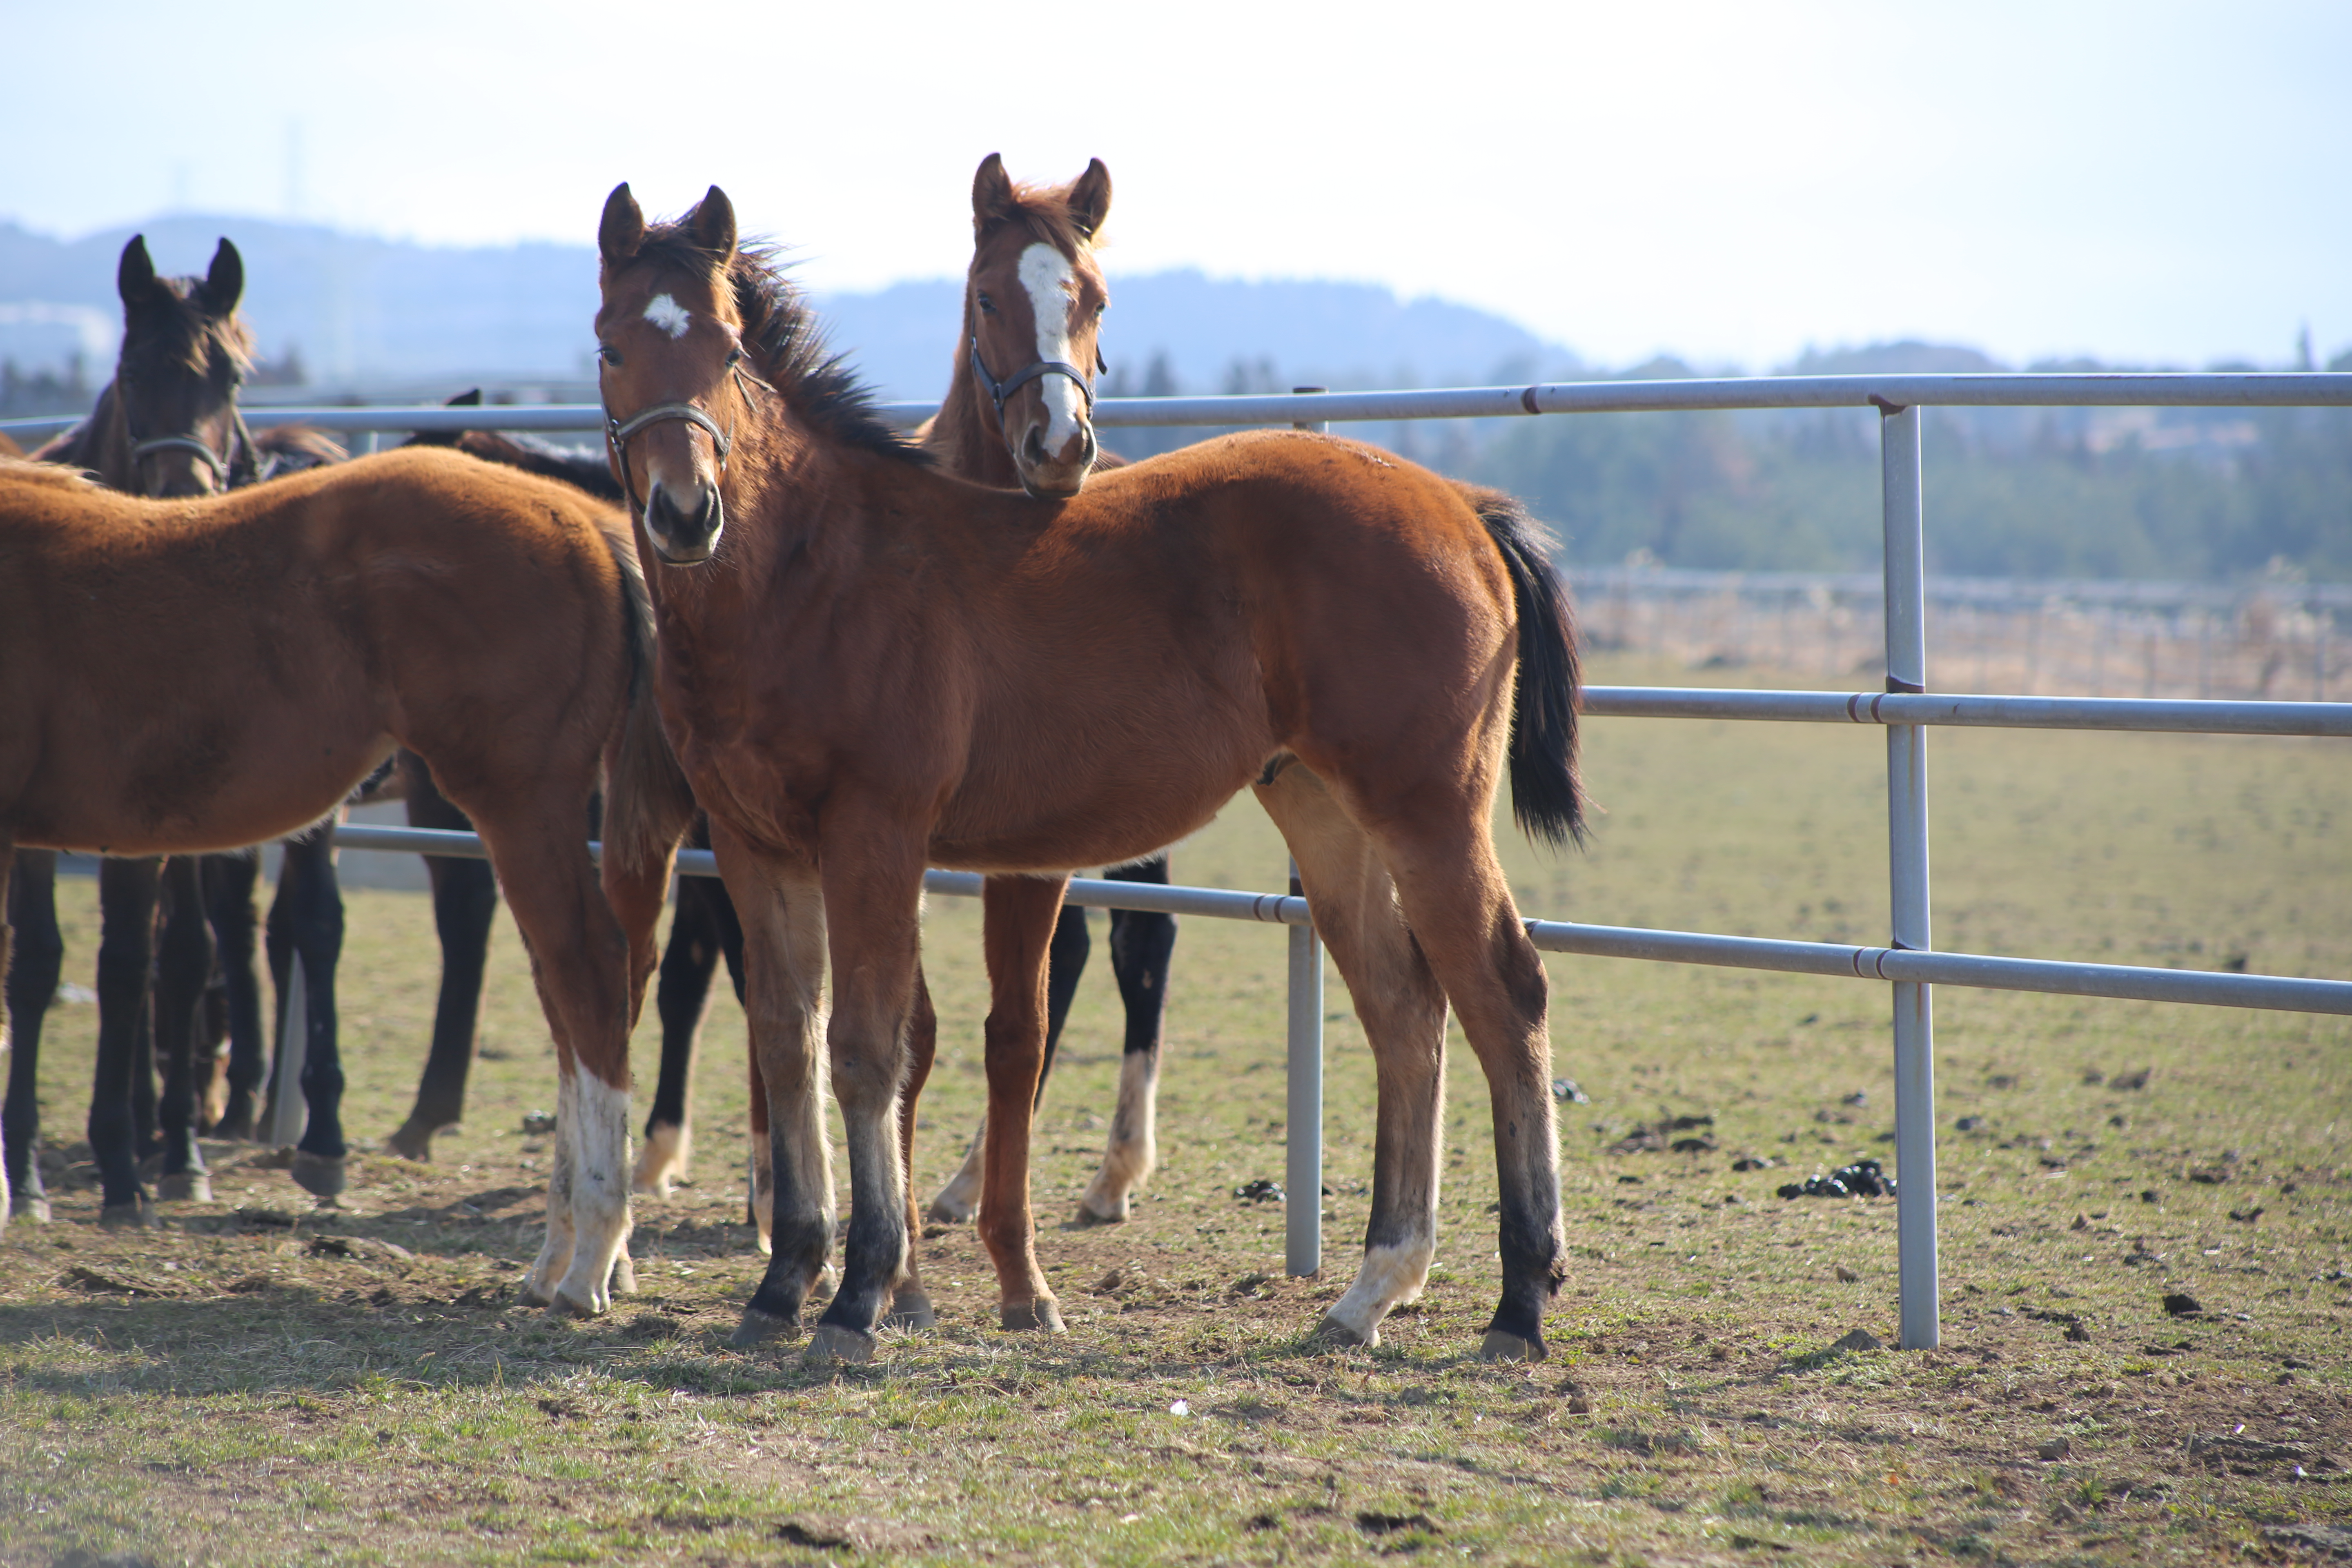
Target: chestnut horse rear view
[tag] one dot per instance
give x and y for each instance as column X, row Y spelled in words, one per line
column 490, row 621
column 871, row 666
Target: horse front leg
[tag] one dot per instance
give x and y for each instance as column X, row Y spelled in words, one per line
column 32, row 956
column 782, row 909
column 873, row 879
column 229, row 882
column 1017, row 926
column 306, row 923
column 127, row 891
column 184, row 965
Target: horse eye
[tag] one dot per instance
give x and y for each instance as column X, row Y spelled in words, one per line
column 987, row 306
column 608, row 354
column 734, row 358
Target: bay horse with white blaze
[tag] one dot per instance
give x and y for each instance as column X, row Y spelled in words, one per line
column 494, row 623
column 1034, row 302
column 868, row 665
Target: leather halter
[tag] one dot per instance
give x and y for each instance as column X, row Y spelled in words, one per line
column 998, row 391
column 618, row 431
column 224, row 474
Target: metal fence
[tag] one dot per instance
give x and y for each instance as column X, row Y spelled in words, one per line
column 1905, row 708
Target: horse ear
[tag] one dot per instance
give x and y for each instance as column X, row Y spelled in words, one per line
column 991, row 195
column 623, row 228
column 1090, row 199
column 469, row 398
column 714, row 225
column 134, row 278
column 224, row 283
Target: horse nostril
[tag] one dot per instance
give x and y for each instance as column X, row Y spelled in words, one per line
column 1033, row 446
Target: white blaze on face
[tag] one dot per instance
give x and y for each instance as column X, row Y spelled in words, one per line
column 1047, row 273
column 668, row 315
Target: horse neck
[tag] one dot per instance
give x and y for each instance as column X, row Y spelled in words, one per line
column 966, row 439
column 104, row 445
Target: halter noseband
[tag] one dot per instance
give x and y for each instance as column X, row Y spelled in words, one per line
column 143, row 450
column 1036, row 370
column 227, row 472
column 618, row 431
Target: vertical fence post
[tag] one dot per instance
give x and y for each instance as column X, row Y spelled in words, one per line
column 1906, row 857
column 1303, row 1122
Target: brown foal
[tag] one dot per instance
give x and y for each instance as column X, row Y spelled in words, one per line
column 868, row 667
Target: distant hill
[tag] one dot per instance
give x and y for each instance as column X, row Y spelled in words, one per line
column 372, row 312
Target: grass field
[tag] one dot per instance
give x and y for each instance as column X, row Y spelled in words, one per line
column 268, row 1382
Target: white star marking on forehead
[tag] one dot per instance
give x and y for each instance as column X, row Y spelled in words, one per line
column 668, row 315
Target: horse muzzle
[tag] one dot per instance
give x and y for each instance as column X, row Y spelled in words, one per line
column 684, row 535
column 1055, row 476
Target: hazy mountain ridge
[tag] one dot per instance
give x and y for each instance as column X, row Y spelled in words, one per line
column 360, row 310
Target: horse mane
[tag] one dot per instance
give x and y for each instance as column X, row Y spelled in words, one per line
column 783, row 341
column 172, row 329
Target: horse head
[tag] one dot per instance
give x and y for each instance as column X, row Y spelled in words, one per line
column 669, row 348
column 185, row 351
column 1033, row 319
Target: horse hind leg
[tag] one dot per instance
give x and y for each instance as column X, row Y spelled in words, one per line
column 682, row 998
column 1454, row 892
column 1402, row 1009
column 579, row 960
column 465, row 908
column 910, row 1307
column 1141, row 944
column 556, row 1248
column 32, row 957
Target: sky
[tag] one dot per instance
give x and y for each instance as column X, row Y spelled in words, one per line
column 2146, row 183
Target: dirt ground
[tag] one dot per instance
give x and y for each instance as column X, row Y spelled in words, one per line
column 269, row 1381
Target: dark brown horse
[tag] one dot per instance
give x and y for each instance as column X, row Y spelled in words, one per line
column 1034, row 300
column 492, row 622
column 167, row 425
column 870, row 666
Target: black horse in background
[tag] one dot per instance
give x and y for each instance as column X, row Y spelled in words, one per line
column 167, row 425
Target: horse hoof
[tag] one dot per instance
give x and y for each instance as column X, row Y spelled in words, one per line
column 30, row 1207
column 912, row 1309
column 235, row 1125
column 187, row 1187
column 625, row 1276
column 1087, row 1219
column 317, row 1175
column 532, row 1293
column 759, row 1328
column 1019, row 1316
column 1333, row 1334
column 1501, row 1344
column 833, row 1345
column 944, row 1211
column 413, row 1142
column 663, row 1161
column 136, row 1216
column 566, row 1305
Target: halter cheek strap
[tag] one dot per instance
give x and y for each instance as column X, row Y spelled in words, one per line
column 998, row 391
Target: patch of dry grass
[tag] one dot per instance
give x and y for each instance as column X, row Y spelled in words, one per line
column 264, row 1381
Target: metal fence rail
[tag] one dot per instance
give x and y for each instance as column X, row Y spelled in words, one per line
column 1906, row 709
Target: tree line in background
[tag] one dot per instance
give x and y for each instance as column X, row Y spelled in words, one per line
column 2178, row 494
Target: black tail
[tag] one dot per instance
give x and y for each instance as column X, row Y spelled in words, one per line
column 1546, row 799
